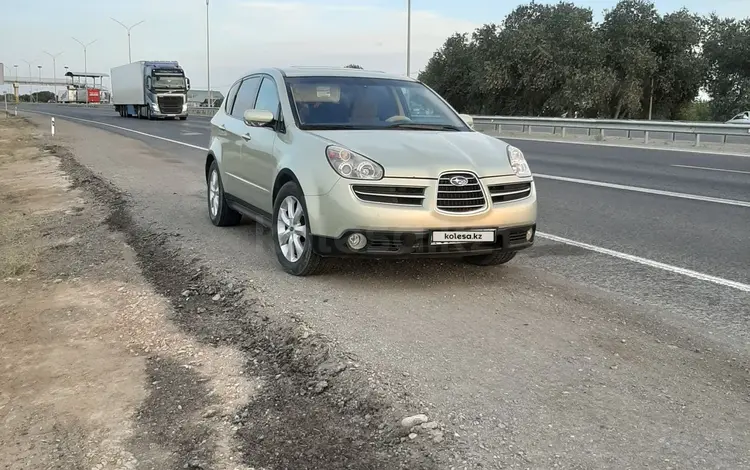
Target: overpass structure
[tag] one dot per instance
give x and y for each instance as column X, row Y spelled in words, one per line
column 76, row 79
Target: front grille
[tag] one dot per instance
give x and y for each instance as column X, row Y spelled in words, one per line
column 401, row 195
column 509, row 192
column 170, row 104
column 460, row 199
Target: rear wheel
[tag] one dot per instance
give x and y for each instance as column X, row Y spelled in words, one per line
column 290, row 231
column 492, row 259
column 220, row 214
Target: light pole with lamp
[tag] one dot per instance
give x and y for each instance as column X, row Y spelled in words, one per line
column 40, row 83
column 31, row 85
column 408, row 37
column 208, row 59
column 85, row 65
column 54, row 69
column 128, row 29
column 15, row 88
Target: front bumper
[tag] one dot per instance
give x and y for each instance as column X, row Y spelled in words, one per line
column 404, row 230
column 417, row 244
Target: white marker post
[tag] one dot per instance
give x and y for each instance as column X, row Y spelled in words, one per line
column 53, row 126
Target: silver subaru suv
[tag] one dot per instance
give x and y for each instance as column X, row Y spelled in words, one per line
column 347, row 162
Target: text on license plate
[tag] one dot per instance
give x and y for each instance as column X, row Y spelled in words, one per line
column 472, row 236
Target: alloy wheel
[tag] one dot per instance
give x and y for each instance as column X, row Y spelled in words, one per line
column 291, row 228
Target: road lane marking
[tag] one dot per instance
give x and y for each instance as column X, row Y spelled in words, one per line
column 133, row 131
column 191, row 133
column 616, row 254
column 712, row 169
column 638, row 189
column 651, row 263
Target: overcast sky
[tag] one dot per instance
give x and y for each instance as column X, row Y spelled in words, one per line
column 247, row 33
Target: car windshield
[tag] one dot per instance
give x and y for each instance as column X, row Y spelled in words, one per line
column 369, row 103
column 169, row 81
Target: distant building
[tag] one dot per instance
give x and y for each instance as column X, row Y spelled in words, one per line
column 200, row 97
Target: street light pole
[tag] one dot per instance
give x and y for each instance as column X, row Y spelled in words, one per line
column 15, row 88
column 408, row 37
column 128, row 29
column 85, row 65
column 31, row 85
column 208, row 58
column 54, row 69
column 40, row 83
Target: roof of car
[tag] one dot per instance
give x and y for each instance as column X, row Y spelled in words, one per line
column 306, row 71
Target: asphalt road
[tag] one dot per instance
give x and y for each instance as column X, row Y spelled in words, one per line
column 494, row 343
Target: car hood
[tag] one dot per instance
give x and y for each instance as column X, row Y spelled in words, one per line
column 425, row 154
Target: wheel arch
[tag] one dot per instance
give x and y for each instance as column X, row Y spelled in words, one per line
column 210, row 159
column 284, row 176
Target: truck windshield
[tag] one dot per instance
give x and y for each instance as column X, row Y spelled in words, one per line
column 170, row 82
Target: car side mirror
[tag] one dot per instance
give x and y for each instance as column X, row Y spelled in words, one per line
column 148, row 82
column 257, row 117
column 468, row 120
column 187, row 82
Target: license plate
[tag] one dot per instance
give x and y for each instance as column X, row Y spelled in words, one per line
column 468, row 236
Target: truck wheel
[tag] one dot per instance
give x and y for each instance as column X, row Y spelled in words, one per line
column 492, row 259
column 149, row 116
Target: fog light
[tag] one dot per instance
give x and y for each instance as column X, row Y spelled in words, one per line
column 356, row 241
column 529, row 234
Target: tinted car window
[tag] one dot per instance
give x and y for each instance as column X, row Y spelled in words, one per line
column 245, row 96
column 367, row 103
column 268, row 97
column 230, row 98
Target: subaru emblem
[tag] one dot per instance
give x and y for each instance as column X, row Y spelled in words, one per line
column 459, row 181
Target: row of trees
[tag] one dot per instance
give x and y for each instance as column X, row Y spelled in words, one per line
column 554, row 60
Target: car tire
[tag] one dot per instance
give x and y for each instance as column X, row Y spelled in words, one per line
column 296, row 229
column 219, row 212
column 492, row 259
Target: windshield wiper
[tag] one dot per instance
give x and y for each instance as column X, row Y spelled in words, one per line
column 423, row 126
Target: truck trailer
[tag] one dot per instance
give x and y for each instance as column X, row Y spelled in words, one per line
column 150, row 90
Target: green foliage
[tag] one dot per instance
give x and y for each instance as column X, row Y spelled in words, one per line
column 551, row 60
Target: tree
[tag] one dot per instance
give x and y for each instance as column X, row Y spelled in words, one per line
column 552, row 60
column 726, row 50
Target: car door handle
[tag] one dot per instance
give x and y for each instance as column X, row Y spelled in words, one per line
column 247, row 137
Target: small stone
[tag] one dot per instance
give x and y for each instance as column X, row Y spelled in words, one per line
column 415, row 420
column 320, row 386
column 210, row 413
column 186, row 293
column 216, row 298
column 58, row 281
column 413, row 435
column 430, row 425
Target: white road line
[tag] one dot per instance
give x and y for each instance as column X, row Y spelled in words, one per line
column 120, row 128
column 635, row 259
column 651, row 263
column 729, row 202
column 712, row 169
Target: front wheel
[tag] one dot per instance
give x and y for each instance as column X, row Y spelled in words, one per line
column 290, row 231
column 492, row 259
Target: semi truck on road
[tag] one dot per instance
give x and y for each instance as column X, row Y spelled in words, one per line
column 150, row 90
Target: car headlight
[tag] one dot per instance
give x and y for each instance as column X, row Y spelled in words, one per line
column 353, row 165
column 518, row 162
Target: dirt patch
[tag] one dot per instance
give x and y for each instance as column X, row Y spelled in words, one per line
column 121, row 353
column 95, row 375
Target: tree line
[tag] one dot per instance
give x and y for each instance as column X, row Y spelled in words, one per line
column 554, row 60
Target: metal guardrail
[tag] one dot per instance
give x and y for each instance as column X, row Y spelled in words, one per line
column 601, row 126
column 598, row 126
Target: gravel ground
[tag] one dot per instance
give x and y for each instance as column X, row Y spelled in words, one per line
column 513, row 367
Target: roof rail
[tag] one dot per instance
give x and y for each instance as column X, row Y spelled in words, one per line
column 331, row 67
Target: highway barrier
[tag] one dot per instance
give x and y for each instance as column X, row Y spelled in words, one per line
column 596, row 128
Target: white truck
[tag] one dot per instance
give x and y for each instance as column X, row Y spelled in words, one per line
column 150, row 90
